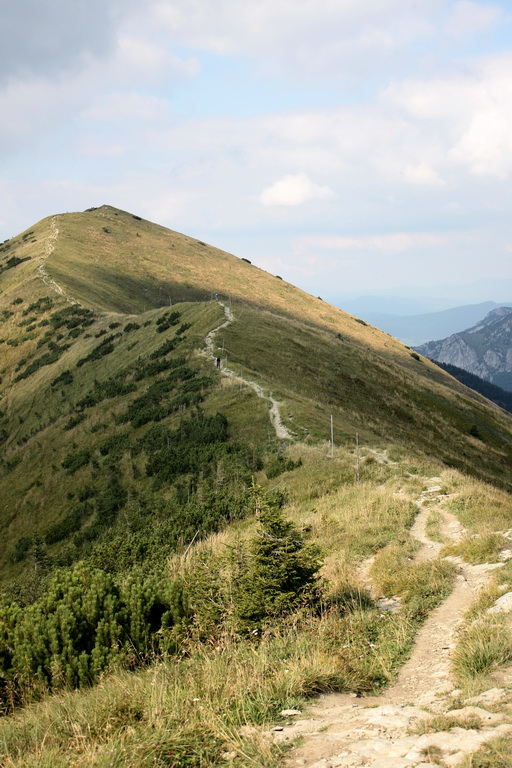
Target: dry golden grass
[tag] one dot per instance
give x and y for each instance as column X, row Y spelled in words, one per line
column 483, row 645
column 445, row 722
column 480, row 507
column 406, row 413
column 188, row 267
column 432, row 526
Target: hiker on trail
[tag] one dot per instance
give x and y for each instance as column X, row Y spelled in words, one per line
column 217, row 360
column 216, row 296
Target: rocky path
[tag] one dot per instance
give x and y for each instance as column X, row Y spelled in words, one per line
column 386, row 731
column 43, row 274
column 282, row 433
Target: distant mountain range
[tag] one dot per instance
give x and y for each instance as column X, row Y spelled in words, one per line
column 484, row 349
column 416, row 329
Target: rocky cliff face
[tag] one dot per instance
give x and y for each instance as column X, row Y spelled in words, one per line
column 485, row 349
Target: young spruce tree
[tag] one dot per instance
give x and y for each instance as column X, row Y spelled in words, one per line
column 281, row 572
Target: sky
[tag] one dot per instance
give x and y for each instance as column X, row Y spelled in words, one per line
column 350, row 146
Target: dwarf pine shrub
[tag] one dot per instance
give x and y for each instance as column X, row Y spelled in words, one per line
column 83, row 624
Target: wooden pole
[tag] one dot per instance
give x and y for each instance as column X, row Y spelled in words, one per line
column 358, row 475
column 196, row 534
column 332, row 437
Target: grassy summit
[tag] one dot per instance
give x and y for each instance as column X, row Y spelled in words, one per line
column 85, row 307
column 136, row 478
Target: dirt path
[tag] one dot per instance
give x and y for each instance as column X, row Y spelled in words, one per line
column 43, row 274
column 282, row 433
column 427, row 673
column 343, row 730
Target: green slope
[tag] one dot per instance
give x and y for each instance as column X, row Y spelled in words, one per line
column 128, row 516
column 82, row 300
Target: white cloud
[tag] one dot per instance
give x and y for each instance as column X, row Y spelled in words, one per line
column 339, row 40
column 333, row 264
column 454, row 208
column 294, row 189
column 45, row 38
column 423, row 174
column 139, row 59
column 97, row 146
column 469, row 19
column 470, row 110
column 101, row 76
column 127, row 107
column 394, row 242
column 425, row 145
column 486, row 146
column 33, row 107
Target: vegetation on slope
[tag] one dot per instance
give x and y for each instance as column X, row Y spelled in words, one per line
column 108, row 446
column 226, row 678
column 129, row 530
column 92, row 400
column 499, row 396
column 380, row 395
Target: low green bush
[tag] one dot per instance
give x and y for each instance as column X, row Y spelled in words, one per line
column 104, row 348
column 74, row 461
column 166, row 321
column 84, row 623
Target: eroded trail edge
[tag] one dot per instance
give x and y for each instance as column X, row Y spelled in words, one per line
column 282, row 433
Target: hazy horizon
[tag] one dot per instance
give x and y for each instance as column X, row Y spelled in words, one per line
column 348, row 147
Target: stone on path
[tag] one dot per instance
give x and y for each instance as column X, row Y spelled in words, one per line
column 383, row 747
column 490, row 697
column 488, row 718
column 502, row 605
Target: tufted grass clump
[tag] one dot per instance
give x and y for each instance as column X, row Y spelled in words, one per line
column 479, row 549
column 494, row 754
column 445, row 722
column 433, row 526
column 480, row 507
column 420, row 585
column 483, row 645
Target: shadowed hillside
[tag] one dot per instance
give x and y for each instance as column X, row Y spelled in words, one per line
column 94, row 359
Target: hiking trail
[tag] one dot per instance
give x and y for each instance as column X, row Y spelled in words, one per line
column 43, row 274
column 282, row 433
column 341, row 730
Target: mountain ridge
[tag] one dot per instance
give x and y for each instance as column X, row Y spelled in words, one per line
column 187, row 536
column 485, row 349
column 90, row 343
